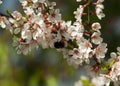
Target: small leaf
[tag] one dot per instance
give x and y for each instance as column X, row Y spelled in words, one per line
column 111, row 63
column 8, row 12
column 103, row 67
column 85, row 82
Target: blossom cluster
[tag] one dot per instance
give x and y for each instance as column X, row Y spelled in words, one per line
column 99, row 7
column 79, row 41
column 112, row 74
column 114, row 69
column 42, row 24
column 87, row 36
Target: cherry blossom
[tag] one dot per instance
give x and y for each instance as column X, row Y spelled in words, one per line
column 100, row 51
column 100, row 81
column 16, row 15
column 35, row 1
column 78, row 13
column 96, row 26
column 99, row 8
column 78, row 0
column 2, row 23
column 79, row 41
column 0, row 2
column 96, row 39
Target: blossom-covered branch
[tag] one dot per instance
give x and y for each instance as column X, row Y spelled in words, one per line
column 42, row 24
column 111, row 73
column 79, row 41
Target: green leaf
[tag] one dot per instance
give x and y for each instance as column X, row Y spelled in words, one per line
column 85, row 82
column 8, row 12
column 111, row 63
column 103, row 67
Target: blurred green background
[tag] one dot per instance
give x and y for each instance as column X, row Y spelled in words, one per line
column 47, row 67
